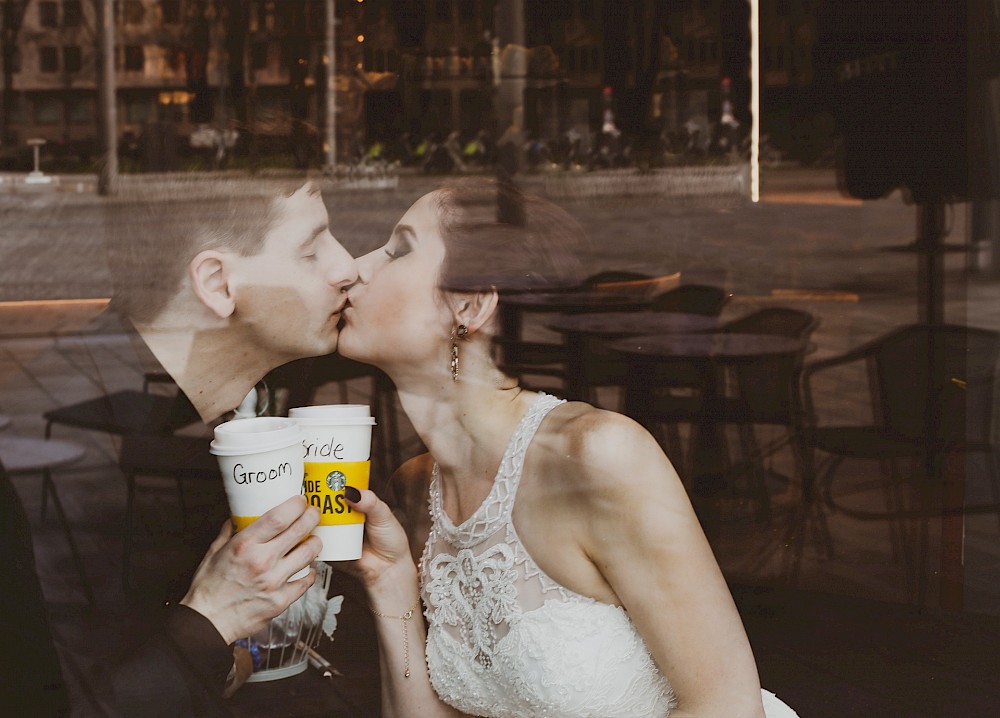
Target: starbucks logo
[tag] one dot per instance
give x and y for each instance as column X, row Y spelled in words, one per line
column 336, row 481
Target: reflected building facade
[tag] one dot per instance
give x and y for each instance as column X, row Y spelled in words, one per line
column 419, row 68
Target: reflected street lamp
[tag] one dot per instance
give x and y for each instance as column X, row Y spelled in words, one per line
column 331, row 87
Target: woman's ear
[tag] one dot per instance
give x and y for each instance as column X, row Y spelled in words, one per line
column 210, row 282
column 475, row 309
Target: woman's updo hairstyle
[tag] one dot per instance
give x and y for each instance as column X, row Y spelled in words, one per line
column 496, row 237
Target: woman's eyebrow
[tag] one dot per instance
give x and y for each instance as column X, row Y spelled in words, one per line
column 404, row 229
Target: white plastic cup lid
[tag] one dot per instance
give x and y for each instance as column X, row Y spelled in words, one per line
column 333, row 414
column 255, row 435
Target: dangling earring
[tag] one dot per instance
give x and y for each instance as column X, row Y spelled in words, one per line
column 461, row 331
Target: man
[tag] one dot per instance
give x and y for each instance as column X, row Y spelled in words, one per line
column 227, row 281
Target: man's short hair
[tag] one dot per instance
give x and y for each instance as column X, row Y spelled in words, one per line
column 154, row 229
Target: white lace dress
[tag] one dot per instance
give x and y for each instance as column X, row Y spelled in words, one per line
column 506, row 641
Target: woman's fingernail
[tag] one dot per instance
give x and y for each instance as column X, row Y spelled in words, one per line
column 352, row 494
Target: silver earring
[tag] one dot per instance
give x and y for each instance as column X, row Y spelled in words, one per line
column 461, row 331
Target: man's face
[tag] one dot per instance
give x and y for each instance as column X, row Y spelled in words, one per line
column 290, row 294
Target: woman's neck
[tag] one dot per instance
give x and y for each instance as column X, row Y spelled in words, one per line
column 465, row 425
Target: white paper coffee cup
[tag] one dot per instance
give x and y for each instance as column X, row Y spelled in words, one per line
column 261, row 463
column 336, row 452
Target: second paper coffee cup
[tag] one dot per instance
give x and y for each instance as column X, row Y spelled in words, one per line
column 336, row 453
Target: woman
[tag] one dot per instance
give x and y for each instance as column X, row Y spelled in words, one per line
column 573, row 580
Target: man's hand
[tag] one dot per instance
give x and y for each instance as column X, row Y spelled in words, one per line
column 242, row 582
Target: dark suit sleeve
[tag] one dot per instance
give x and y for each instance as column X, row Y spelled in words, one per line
column 180, row 670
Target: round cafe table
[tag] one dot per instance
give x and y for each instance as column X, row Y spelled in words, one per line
column 706, row 352
column 578, row 328
column 610, row 324
column 23, row 455
column 513, row 306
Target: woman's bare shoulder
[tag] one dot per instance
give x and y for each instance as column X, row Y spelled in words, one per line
column 591, row 445
column 588, row 432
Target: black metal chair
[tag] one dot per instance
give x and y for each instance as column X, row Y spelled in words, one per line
column 763, row 391
column 692, row 299
column 181, row 458
column 932, row 393
column 121, row 413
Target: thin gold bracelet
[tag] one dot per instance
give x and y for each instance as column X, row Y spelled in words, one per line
column 406, row 634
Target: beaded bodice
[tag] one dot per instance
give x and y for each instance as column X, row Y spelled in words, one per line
column 504, row 639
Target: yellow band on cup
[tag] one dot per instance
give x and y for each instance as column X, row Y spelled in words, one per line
column 324, row 484
column 241, row 522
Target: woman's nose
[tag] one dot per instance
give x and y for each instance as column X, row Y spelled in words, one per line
column 366, row 266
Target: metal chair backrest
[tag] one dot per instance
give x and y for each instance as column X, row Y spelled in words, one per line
column 769, row 386
column 692, row 299
column 935, row 383
column 781, row 321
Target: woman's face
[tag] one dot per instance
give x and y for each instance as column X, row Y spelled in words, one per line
column 395, row 311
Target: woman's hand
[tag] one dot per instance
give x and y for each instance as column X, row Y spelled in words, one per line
column 386, row 549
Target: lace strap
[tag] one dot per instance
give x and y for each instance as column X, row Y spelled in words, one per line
column 498, row 505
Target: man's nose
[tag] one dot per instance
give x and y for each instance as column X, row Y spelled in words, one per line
column 343, row 269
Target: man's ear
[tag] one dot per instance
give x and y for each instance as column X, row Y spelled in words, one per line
column 210, row 281
column 475, row 309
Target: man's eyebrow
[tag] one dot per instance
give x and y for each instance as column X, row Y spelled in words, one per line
column 316, row 231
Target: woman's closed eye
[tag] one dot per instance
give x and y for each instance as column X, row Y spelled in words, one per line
column 401, row 249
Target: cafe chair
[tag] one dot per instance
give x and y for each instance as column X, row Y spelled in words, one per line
column 120, row 413
column 692, row 299
column 932, row 393
column 759, row 392
column 181, row 458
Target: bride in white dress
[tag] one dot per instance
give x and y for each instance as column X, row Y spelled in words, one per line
column 549, row 545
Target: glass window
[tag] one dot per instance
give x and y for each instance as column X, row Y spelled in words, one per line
column 135, row 58
column 81, row 112
column 134, row 12
column 442, row 9
column 316, row 15
column 72, row 13
column 136, row 111
column 588, row 9
column 170, row 10
column 72, row 58
column 467, row 10
column 19, row 109
column 175, row 58
column 258, row 55
column 48, row 58
column 48, row 14
column 15, row 60
column 48, row 111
